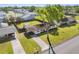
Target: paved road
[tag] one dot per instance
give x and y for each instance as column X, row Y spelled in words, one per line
column 69, row 47
column 17, row 48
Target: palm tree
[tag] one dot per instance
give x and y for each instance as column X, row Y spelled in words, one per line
column 51, row 13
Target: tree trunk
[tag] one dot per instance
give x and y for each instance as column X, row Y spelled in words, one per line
column 50, row 45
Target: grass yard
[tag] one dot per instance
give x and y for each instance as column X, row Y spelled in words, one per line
column 38, row 17
column 33, row 23
column 29, row 45
column 30, row 22
column 6, row 48
column 20, row 25
column 77, row 17
column 64, row 34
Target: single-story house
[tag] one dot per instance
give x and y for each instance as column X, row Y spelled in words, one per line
column 27, row 17
column 2, row 15
column 33, row 29
column 20, row 11
column 6, row 29
column 67, row 21
column 38, row 28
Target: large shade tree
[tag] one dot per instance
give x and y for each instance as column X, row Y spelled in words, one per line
column 51, row 14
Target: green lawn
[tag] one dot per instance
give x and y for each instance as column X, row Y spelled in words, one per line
column 30, row 22
column 77, row 17
column 64, row 34
column 6, row 48
column 38, row 17
column 20, row 25
column 29, row 45
column 33, row 23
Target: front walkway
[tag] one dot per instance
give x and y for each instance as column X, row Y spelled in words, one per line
column 41, row 43
column 17, row 48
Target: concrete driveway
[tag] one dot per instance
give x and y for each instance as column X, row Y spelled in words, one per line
column 16, row 45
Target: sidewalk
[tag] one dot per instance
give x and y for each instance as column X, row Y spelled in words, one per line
column 17, row 48
column 41, row 43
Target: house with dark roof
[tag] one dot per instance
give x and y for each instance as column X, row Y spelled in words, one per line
column 68, row 21
column 27, row 17
column 39, row 28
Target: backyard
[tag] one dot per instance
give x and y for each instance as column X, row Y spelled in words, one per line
column 32, row 23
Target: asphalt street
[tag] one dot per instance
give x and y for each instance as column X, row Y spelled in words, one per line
column 69, row 47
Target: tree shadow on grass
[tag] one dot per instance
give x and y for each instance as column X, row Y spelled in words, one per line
column 54, row 32
column 31, row 34
column 27, row 35
column 42, row 33
column 63, row 26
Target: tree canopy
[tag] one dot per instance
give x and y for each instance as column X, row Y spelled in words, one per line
column 51, row 13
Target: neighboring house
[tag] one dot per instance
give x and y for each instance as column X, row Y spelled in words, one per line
column 27, row 17
column 67, row 21
column 21, row 10
column 5, row 29
column 2, row 15
column 37, row 29
column 32, row 29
